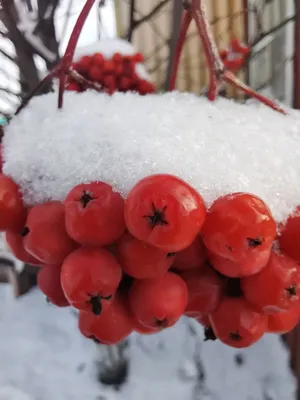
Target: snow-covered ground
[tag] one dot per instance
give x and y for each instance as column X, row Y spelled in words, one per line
column 43, row 357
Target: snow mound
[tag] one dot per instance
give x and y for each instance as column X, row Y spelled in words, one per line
column 43, row 356
column 218, row 148
column 108, row 47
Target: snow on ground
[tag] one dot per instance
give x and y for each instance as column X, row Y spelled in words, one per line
column 219, row 147
column 108, row 47
column 43, row 357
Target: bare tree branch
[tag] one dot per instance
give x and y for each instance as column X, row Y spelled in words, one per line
column 131, row 20
column 8, row 56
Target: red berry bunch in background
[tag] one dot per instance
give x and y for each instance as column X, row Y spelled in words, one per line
column 140, row 263
column 118, row 73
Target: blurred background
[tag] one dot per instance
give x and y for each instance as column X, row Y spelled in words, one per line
column 42, row 356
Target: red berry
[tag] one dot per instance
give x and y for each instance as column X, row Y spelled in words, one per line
column 94, row 214
column 119, row 69
column 49, row 283
column 109, row 82
column 139, row 58
column 193, row 257
column 142, row 260
column 236, row 324
column 145, row 87
column 124, row 83
column 276, row 287
column 16, row 245
column 96, row 74
column 205, row 289
column 204, row 321
column 109, row 67
column 111, row 326
column 159, row 302
column 12, row 210
column 117, row 58
column 164, row 211
column 98, row 59
column 290, row 236
column 85, row 324
column 239, row 226
column 140, row 328
column 90, row 277
column 84, row 64
column 45, row 235
column 74, row 87
column 234, row 269
column 285, row 321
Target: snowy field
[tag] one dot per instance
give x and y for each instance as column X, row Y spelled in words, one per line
column 43, row 357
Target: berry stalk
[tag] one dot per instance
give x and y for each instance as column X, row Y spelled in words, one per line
column 69, row 53
column 195, row 10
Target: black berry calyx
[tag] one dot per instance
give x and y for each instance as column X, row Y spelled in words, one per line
column 209, row 334
column 171, row 254
column 161, row 323
column 255, row 242
column 85, row 199
column 25, row 231
column 234, row 288
column 235, row 336
column 95, row 302
column 291, row 291
column 157, row 218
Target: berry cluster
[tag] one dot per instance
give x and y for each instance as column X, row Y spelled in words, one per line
column 115, row 74
column 140, row 264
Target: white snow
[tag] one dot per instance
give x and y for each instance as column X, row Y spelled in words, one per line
column 43, row 357
column 218, row 148
column 108, row 47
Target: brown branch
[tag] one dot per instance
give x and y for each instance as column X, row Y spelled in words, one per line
column 131, row 20
column 147, row 17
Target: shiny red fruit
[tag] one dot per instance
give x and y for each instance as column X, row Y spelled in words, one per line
column 84, row 64
column 284, row 321
column 16, row 246
column 111, row 326
column 45, row 236
column 117, row 58
column 90, row 277
column 145, row 87
column 12, row 210
column 276, row 287
column 49, row 283
column 96, row 74
column 193, row 257
column 98, row 59
column 94, row 214
column 164, row 211
column 74, row 87
column 234, row 269
column 142, row 329
column 124, row 83
column 139, row 58
column 239, row 226
column 204, row 321
column 236, row 324
column 142, row 260
column 159, row 302
column 108, row 67
column 205, row 290
column 289, row 237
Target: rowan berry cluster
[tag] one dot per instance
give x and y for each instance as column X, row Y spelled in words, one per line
column 141, row 263
column 118, row 73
